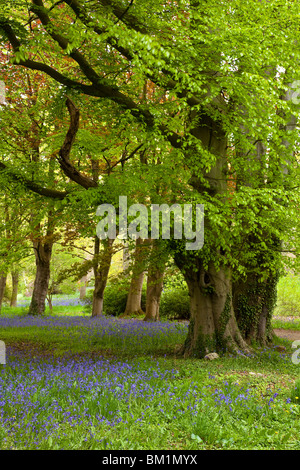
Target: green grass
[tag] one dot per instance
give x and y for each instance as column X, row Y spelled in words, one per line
column 57, row 310
column 134, row 393
column 288, row 296
column 286, row 323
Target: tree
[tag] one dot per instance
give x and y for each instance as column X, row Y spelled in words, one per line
column 209, row 60
column 134, row 298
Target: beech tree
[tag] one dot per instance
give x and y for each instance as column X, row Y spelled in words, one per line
column 223, row 69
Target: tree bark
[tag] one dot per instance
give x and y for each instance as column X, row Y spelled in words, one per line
column 212, row 327
column 156, row 269
column 102, row 262
column 15, row 284
column 154, row 290
column 254, row 302
column 43, row 252
column 2, row 288
column 134, row 298
column 126, row 258
column 82, row 287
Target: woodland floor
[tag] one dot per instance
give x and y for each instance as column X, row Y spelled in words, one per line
column 32, row 349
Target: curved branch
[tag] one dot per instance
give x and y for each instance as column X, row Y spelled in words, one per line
column 31, row 185
column 63, row 155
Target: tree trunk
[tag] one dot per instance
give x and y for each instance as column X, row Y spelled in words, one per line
column 2, row 288
column 134, row 298
column 102, row 262
column 49, row 300
column 43, row 252
column 15, row 284
column 156, row 269
column 126, row 258
column 254, row 302
column 212, row 327
column 154, row 290
column 82, row 287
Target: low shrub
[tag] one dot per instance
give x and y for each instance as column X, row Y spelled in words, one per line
column 115, row 298
column 175, row 304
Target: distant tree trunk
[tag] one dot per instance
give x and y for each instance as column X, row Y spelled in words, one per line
column 155, row 277
column 43, row 252
column 126, row 258
column 49, row 300
column 15, row 284
column 102, row 262
column 82, row 287
column 2, row 287
column 154, row 290
column 134, row 298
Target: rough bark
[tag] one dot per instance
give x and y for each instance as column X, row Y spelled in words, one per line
column 102, row 262
column 213, row 327
column 126, row 259
column 43, row 252
column 254, row 301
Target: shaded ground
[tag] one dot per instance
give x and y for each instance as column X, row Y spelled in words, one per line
column 32, row 349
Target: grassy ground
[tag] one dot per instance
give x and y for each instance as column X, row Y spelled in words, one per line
column 72, row 382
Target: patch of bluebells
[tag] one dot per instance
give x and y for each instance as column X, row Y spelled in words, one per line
column 89, row 330
column 38, row 397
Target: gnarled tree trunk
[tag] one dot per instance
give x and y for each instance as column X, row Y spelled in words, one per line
column 254, row 301
column 212, row 327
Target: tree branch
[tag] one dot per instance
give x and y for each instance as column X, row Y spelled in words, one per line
column 100, row 90
column 63, row 155
column 39, row 9
column 31, row 185
column 122, row 160
column 166, row 81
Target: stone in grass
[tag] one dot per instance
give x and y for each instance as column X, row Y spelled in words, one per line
column 211, row 356
column 280, row 348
